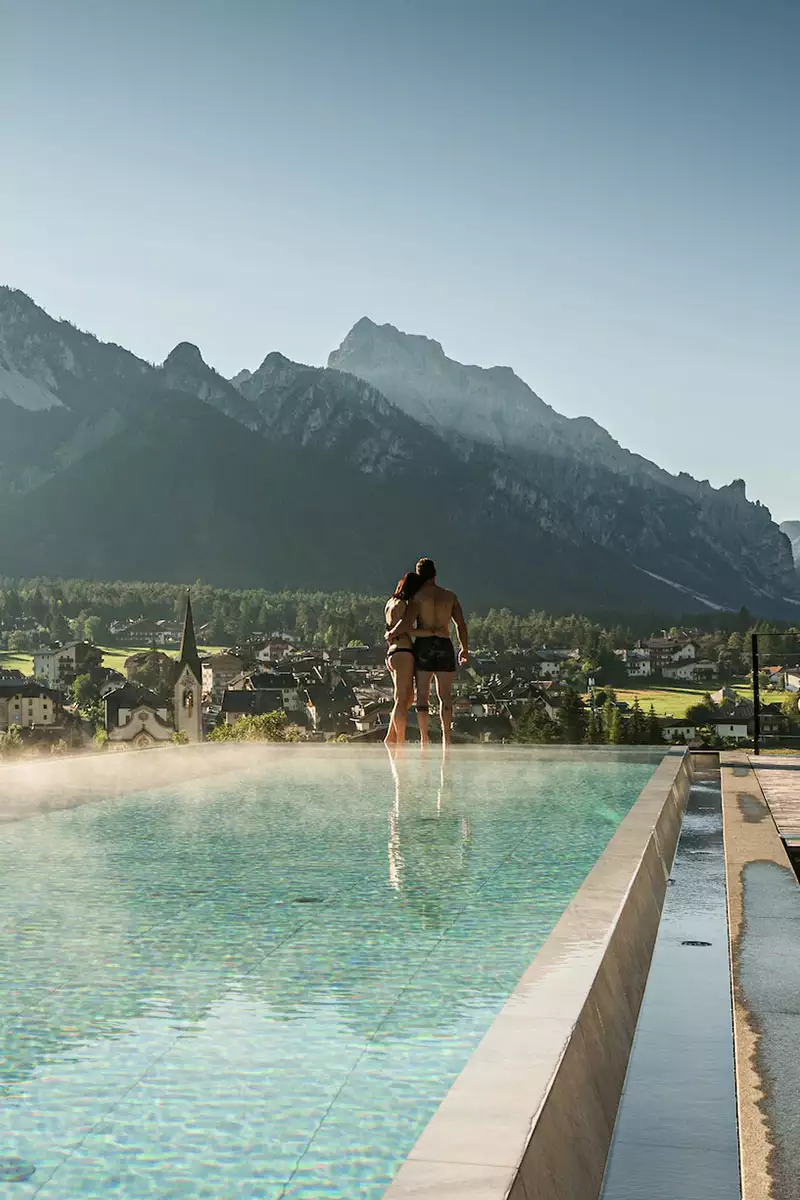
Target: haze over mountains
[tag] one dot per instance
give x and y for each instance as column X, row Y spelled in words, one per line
column 339, row 477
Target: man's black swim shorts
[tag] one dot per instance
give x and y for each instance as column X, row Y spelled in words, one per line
column 434, row 654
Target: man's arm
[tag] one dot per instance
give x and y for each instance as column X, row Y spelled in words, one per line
column 406, row 622
column 463, row 634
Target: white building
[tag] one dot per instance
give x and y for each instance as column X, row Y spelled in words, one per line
column 675, row 728
column 792, row 683
column 550, row 663
column 274, row 650
column 732, row 728
column 689, row 669
column 637, row 662
column 58, row 663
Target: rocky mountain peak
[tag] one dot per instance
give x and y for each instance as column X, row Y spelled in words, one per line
column 275, row 361
column 383, row 341
column 185, row 370
column 491, row 405
column 184, row 355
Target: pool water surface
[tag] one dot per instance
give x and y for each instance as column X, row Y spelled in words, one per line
column 262, row 986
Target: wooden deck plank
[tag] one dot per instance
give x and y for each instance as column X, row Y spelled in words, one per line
column 779, row 777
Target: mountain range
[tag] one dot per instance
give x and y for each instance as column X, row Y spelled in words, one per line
column 339, row 477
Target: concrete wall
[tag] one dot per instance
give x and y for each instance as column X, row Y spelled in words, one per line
column 532, row 1114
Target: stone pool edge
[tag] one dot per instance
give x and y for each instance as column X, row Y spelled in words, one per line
column 532, row 1114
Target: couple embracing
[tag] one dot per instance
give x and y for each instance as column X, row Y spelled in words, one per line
column 418, row 619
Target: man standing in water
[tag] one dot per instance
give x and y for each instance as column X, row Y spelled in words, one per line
column 429, row 617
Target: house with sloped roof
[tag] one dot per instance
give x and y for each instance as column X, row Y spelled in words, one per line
column 60, row 664
column 689, row 669
column 330, row 709
column 284, row 683
column 218, row 671
column 677, row 729
column 256, row 702
column 26, row 704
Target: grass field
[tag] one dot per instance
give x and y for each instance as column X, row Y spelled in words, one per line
column 16, row 662
column 668, row 702
column 673, row 702
column 113, row 657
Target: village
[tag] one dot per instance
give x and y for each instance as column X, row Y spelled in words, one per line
column 70, row 699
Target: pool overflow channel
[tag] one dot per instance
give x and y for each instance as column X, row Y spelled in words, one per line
column 676, row 1131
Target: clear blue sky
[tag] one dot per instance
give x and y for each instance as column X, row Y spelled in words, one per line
column 603, row 194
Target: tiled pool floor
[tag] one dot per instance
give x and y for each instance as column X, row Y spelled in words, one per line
column 264, row 988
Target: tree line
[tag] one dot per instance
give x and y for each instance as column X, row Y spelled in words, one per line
column 85, row 609
column 579, row 723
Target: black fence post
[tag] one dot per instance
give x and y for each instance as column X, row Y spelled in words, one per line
column 756, row 695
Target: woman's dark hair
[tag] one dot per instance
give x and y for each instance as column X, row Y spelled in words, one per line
column 407, row 587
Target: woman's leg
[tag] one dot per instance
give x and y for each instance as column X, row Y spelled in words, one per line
column 391, row 732
column 403, row 666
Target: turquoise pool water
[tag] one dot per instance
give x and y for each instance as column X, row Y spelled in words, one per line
column 263, row 987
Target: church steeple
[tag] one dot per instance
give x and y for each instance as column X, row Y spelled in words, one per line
column 189, row 656
column 188, row 693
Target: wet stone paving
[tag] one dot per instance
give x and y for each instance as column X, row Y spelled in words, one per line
column 264, row 987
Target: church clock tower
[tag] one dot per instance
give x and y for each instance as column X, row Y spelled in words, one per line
column 188, row 693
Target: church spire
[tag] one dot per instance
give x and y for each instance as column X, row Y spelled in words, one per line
column 189, row 656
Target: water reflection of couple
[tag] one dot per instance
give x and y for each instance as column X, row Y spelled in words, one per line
column 419, row 616
column 430, row 841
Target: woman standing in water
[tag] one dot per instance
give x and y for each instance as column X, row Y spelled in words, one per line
column 400, row 657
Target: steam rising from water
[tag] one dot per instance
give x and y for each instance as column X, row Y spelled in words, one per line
column 45, row 786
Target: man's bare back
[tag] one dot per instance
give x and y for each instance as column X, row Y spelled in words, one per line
column 433, row 608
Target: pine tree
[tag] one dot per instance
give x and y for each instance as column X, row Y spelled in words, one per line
column 654, row 735
column 535, row 725
column 572, row 719
column 618, row 733
column 610, row 712
column 594, row 728
column 637, row 724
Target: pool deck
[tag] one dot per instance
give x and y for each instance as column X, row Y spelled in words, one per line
column 761, row 810
column 779, row 778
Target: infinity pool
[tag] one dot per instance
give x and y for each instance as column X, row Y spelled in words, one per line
column 263, row 986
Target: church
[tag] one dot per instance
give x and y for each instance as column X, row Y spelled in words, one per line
column 137, row 718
